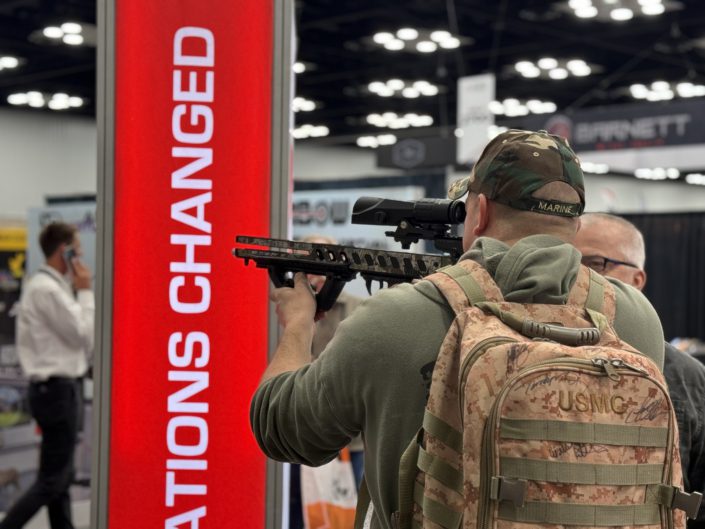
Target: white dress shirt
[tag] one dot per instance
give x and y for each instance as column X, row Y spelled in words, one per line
column 54, row 329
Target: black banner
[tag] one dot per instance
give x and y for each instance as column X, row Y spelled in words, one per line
column 631, row 126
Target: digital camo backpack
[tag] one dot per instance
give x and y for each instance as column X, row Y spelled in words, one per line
column 539, row 415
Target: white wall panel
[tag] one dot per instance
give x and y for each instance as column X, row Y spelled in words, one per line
column 44, row 154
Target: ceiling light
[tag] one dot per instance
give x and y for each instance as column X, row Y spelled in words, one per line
column 450, row 44
column 531, row 74
column 376, row 86
column 58, row 104
column 597, row 168
column 655, row 9
column 581, row 72
column 558, row 73
column 649, row 2
column 519, row 110
column 382, row 37
column 386, row 139
column 390, row 116
column 52, row 32
column 459, row 133
column 549, row 107
column 426, row 46
column 299, row 67
column 71, row 27
column 36, row 103
column 440, row 36
column 695, row 179
column 407, row 34
column 660, row 86
column 9, row 62
column 319, row 131
column 643, row 172
column 586, row 12
column 75, row 101
column 639, row 91
column 576, row 64
column 547, row 63
column 395, row 84
column 535, row 106
column 579, row 4
column 372, row 119
column 18, row 99
column 421, row 84
column 410, row 92
column 385, row 92
column 367, row 141
column 496, row 107
column 685, row 89
column 72, row 39
column 673, row 173
column 621, row 13
column 523, row 66
column 510, row 102
column 430, row 90
column 394, row 45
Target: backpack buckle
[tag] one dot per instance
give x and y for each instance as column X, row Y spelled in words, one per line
column 506, row 489
column 690, row 503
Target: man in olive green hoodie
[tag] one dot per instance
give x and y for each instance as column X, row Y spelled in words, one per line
column 525, row 196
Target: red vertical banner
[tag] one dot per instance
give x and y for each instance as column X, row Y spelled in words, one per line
column 193, row 142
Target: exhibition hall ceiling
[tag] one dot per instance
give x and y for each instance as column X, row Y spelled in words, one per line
column 374, row 67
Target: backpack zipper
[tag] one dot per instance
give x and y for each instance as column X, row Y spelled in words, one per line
column 598, row 365
column 475, row 353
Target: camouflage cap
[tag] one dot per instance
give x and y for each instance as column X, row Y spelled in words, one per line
column 517, row 163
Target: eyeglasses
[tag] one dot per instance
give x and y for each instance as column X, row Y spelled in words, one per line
column 600, row 263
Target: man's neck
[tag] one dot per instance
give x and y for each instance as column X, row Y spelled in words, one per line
column 58, row 266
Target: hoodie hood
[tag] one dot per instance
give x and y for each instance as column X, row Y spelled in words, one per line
column 537, row 269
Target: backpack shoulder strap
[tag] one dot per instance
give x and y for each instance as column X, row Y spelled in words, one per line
column 464, row 284
column 596, row 294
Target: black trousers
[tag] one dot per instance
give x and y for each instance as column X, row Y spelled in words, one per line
column 55, row 406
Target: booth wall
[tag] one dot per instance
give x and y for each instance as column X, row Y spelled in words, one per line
column 44, row 154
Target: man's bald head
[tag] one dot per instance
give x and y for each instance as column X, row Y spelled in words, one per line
column 605, row 235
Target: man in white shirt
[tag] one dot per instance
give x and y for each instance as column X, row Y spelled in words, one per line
column 54, row 342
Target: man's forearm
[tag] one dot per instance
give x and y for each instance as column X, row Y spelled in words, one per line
column 293, row 350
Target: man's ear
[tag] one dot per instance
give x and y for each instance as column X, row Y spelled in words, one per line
column 483, row 215
column 639, row 279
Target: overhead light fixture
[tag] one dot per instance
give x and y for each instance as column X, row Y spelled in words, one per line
column 665, row 90
column 621, row 14
column 9, row 62
column 382, row 37
column 426, row 46
column 512, row 107
column 399, row 87
column 547, row 63
column 72, row 39
column 653, row 10
column 594, row 168
column 394, row 45
column 36, row 99
column 53, row 32
column 657, row 173
column 301, row 104
column 586, row 12
column 618, row 10
column 310, row 131
column 69, row 33
column 393, row 120
column 298, row 67
column 373, row 142
column 71, row 27
column 553, row 68
column 697, row 179
column 407, row 34
column 417, row 40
